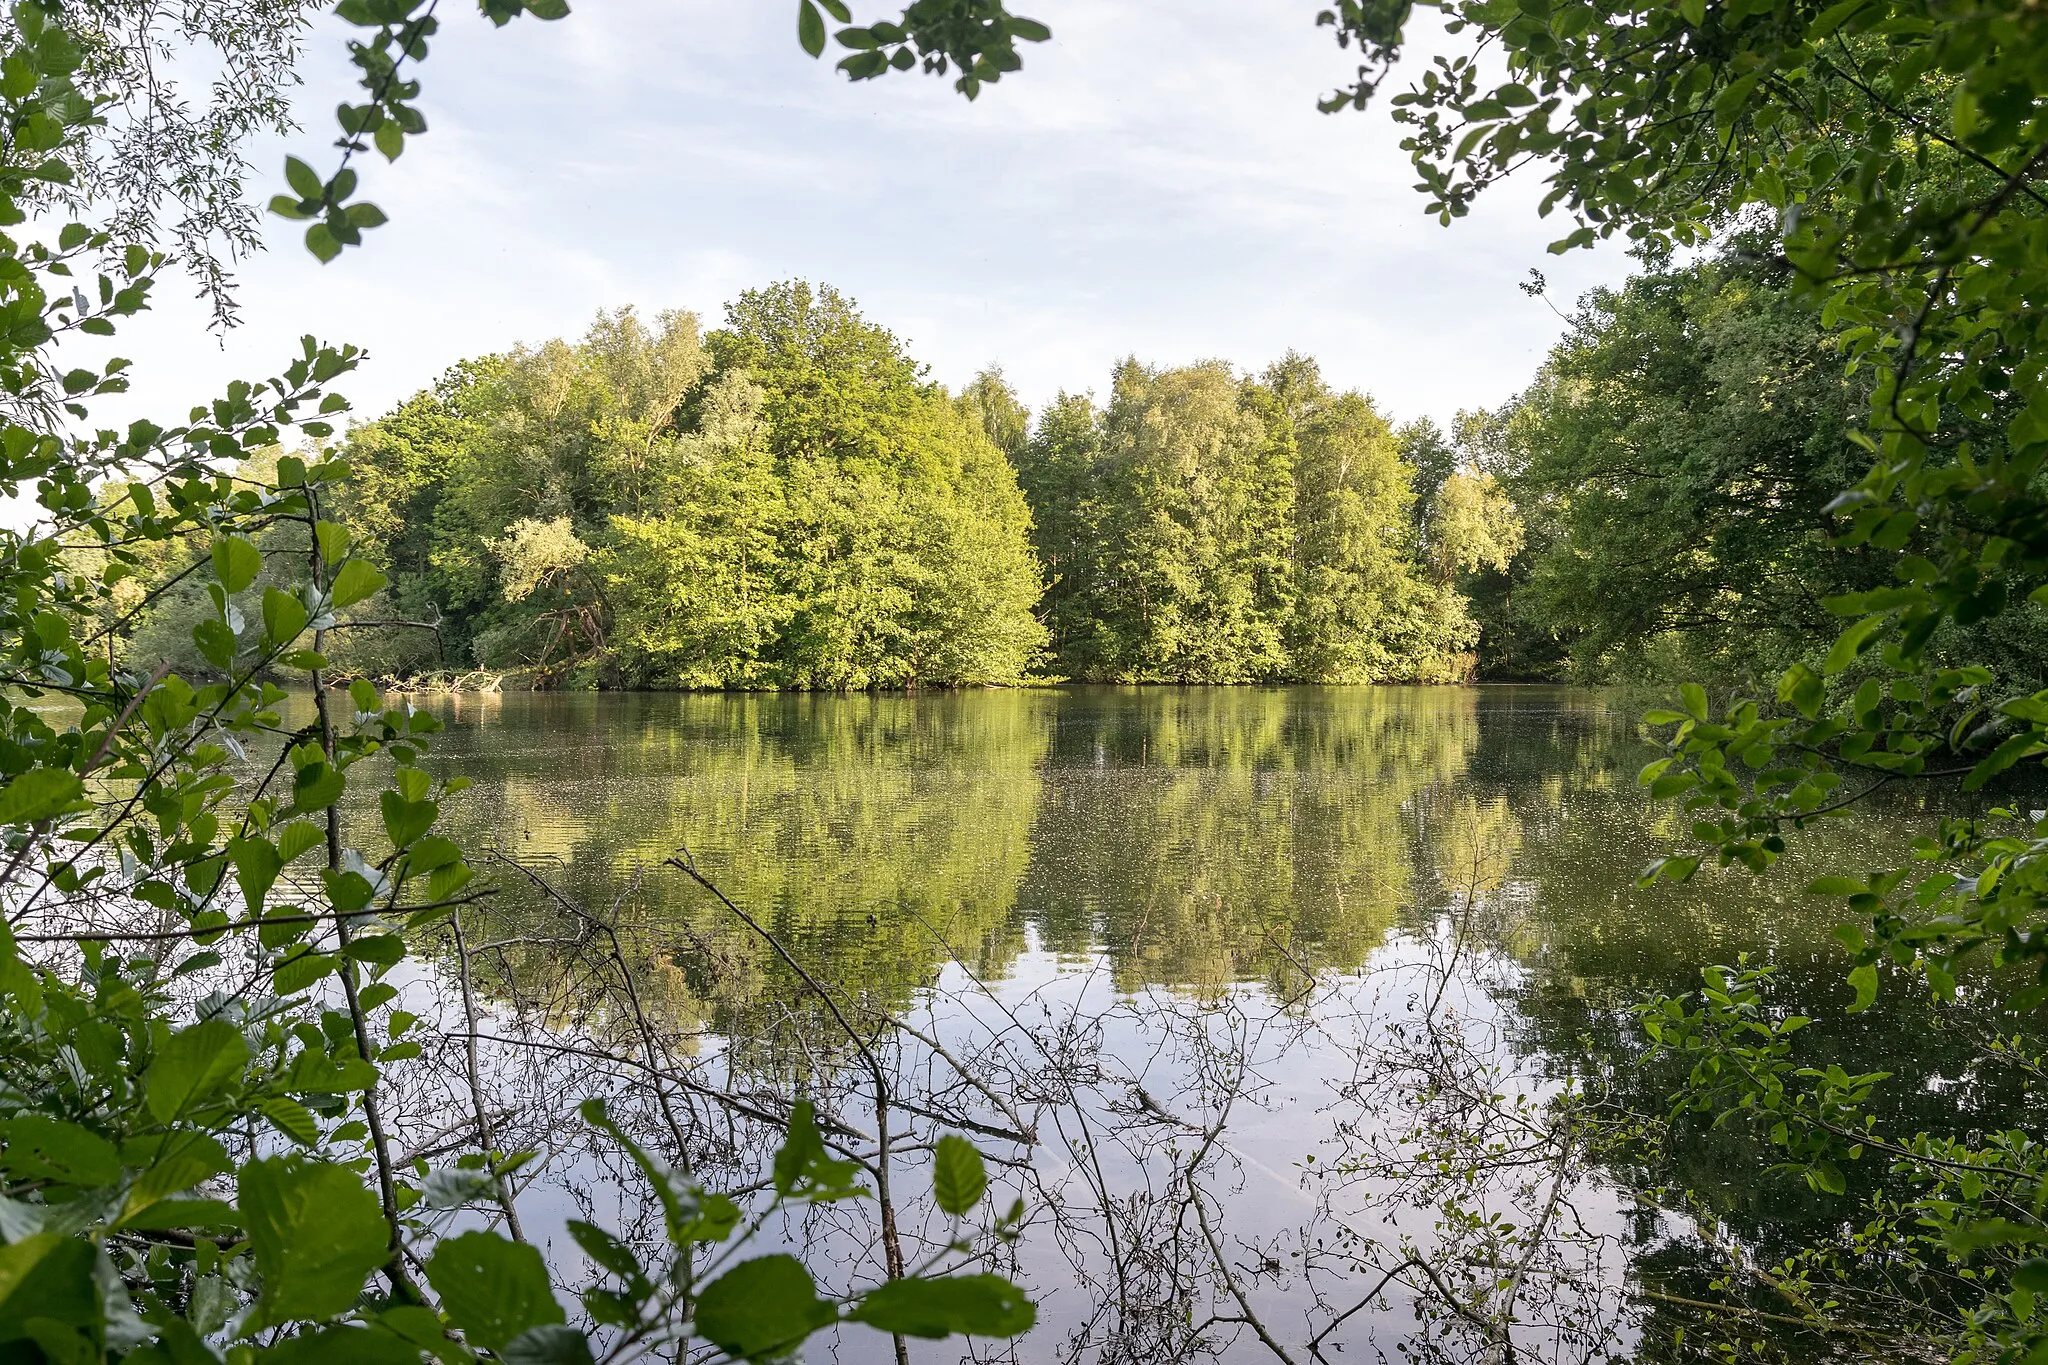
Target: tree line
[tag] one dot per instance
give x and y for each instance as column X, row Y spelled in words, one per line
column 788, row 501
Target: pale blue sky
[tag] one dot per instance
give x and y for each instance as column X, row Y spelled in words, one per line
column 1156, row 182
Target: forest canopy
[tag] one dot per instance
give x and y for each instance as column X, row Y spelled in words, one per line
column 789, row 501
column 785, row 501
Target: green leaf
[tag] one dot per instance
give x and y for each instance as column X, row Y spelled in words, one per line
column 216, row 642
column 1802, row 687
column 1851, row 643
column 607, row 1250
column 974, row 1305
column 296, row 837
column 301, row 970
column 236, row 562
column 38, row 794
column 1679, row 869
column 343, row 1346
column 431, row 853
column 405, row 821
column 43, row 1148
column 493, row 1288
column 1694, row 698
column 175, row 1162
column 333, row 538
column 358, row 579
column 191, row 1065
column 316, row 787
column 256, row 867
column 549, row 1344
column 164, row 1214
column 958, row 1177
column 762, row 1308
column 2015, row 748
column 379, row 950
column 317, row 1234
column 810, row 27
column 347, row 891
column 321, row 243
column 304, row 180
column 47, row 1276
column 1668, row 785
column 1978, row 1234
column 292, row 1119
column 1864, row 979
column 284, row 616
column 801, row 1148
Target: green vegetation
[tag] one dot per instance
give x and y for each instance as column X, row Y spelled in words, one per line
column 1204, row 528
column 1889, row 155
column 784, row 503
column 1674, row 461
column 198, row 1026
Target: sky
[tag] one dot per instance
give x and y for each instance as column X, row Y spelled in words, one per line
column 1156, row 182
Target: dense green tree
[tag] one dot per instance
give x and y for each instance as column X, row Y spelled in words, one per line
column 1430, row 453
column 991, row 401
column 786, row 503
column 1056, row 469
column 1209, row 528
column 1364, row 608
column 1191, row 596
column 1895, row 151
column 1685, row 440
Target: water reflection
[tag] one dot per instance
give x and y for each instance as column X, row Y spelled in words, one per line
column 1202, row 837
column 1223, row 903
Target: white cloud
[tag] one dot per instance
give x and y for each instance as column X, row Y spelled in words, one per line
column 1156, row 181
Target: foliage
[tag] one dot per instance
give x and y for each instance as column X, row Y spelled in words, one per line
column 1473, row 526
column 534, row 553
column 785, row 503
column 1205, row 528
column 195, row 1004
column 1896, row 147
column 169, row 169
column 1683, row 443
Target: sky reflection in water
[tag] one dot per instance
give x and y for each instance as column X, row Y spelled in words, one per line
column 1209, row 902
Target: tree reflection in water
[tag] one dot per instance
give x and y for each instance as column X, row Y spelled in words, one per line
column 1296, row 1017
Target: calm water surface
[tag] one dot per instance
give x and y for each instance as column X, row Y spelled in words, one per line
column 1232, row 901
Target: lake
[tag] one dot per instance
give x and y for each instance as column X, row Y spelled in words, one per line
column 1251, row 994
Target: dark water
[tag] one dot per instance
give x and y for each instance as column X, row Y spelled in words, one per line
column 1277, row 877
